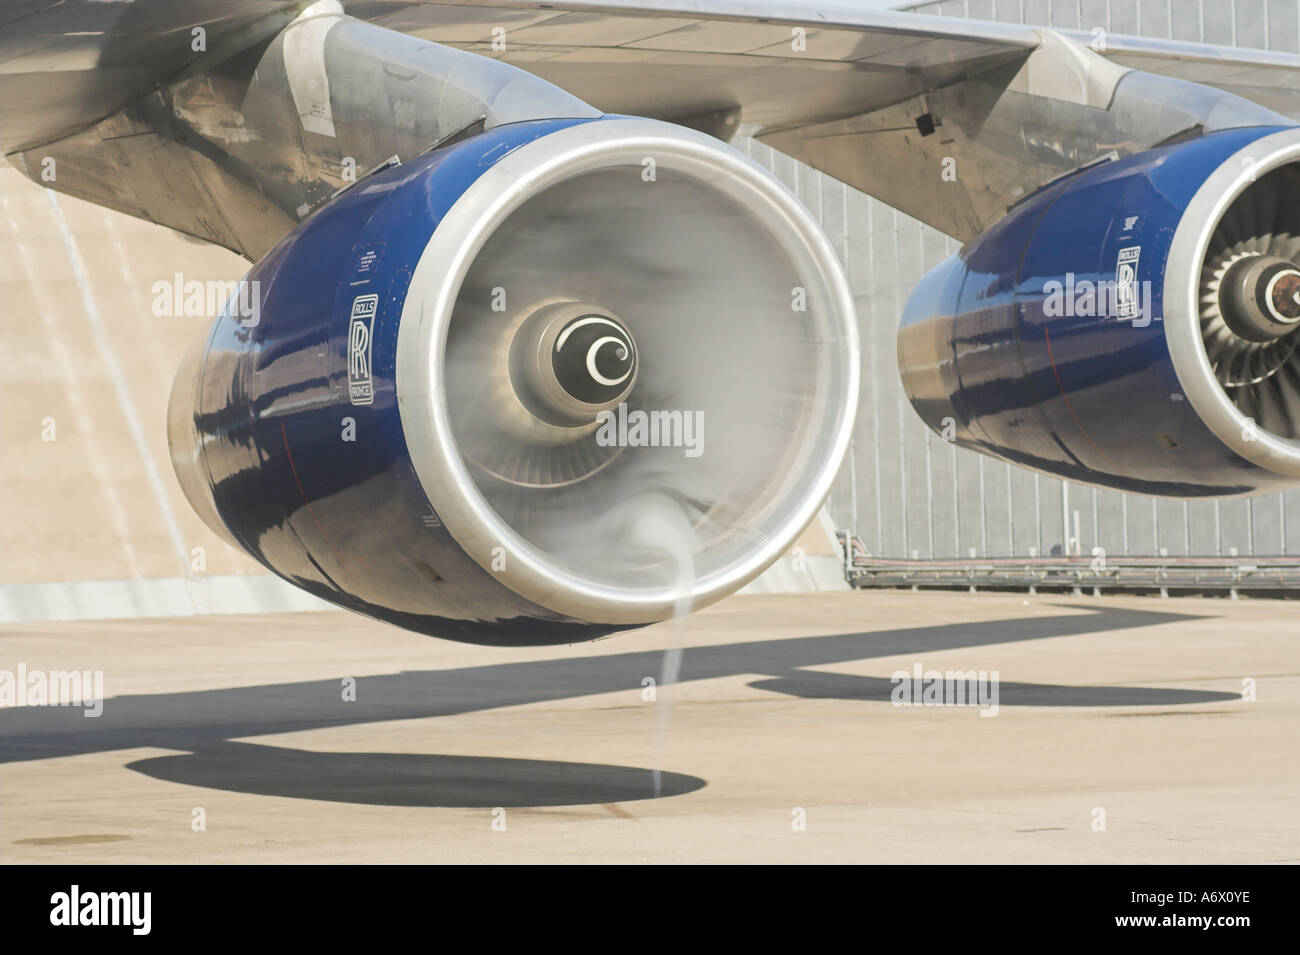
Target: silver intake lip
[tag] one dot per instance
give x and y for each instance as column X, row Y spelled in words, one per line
column 719, row 346
column 1227, row 319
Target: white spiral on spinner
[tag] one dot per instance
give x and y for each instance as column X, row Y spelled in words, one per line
column 592, row 353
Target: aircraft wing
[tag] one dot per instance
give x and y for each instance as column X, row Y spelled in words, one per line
column 647, row 56
column 829, row 85
column 821, row 83
column 65, row 64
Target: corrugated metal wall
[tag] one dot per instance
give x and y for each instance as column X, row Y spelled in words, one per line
column 907, row 493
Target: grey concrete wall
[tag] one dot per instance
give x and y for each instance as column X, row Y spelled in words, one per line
column 908, row 493
column 1268, row 24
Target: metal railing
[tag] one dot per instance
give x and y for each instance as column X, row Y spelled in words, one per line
column 1078, row 573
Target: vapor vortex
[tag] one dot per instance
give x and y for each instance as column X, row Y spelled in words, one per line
column 617, row 304
column 704, row 295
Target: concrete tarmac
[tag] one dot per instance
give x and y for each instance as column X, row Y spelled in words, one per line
column 1124, row 733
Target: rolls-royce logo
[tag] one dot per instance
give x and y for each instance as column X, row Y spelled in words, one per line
column 1126, row 285
column 361, row 387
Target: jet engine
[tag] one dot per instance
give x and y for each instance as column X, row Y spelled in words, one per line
column 1134, row 325
column 554, row 380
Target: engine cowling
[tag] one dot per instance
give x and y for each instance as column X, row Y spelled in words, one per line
column 559, row 379
column 1134, row 325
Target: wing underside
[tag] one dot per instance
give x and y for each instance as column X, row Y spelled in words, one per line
column 869, row 97
column 815, row 62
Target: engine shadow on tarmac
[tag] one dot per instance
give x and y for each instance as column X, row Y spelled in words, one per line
column 204, row 722
column 815, row 685
column 411, row 779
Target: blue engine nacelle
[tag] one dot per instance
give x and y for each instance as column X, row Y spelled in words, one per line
column 559, row 379
column 1134, row 325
